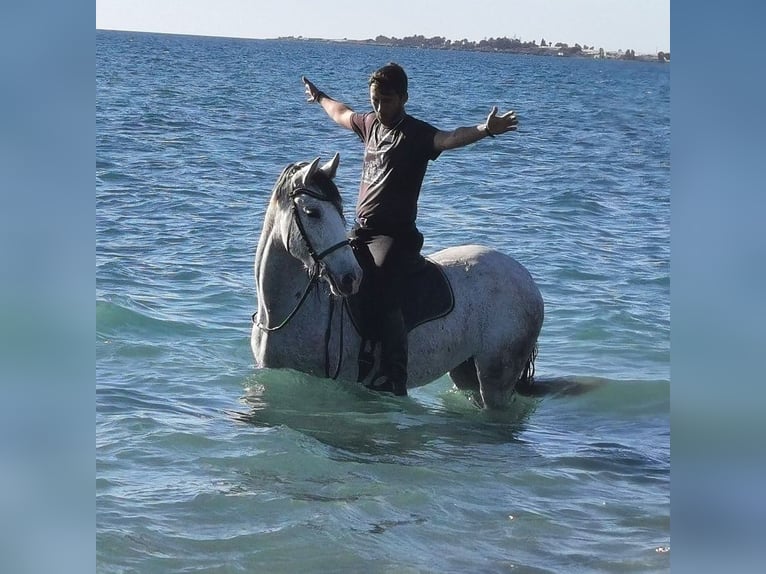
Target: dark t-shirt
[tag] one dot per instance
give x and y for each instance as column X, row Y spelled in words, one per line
column 395, row 161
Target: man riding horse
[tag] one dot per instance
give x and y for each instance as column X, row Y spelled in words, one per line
column 397, row 150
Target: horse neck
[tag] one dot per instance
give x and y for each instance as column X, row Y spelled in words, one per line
column 278, row 275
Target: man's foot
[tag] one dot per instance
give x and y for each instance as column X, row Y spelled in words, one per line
column 385, row 385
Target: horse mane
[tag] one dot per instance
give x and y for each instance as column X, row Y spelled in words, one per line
column 327, row 188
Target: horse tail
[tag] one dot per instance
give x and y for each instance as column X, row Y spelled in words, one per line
column 525, row 384
column 528, row 386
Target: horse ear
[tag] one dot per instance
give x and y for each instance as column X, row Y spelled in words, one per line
column 331, row 166
column 303, row 176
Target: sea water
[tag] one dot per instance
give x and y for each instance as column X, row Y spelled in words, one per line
column 205, row 464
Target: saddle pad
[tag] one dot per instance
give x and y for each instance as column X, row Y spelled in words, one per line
column 428, row 296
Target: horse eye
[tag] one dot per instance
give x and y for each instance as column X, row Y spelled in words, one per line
column 312, row 212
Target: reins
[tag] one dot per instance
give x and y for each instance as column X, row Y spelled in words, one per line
column 309, row 285
column 327, row 334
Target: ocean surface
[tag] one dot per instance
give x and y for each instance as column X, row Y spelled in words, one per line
column 205, row 464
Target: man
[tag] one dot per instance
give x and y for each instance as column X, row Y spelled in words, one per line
column 397, row 150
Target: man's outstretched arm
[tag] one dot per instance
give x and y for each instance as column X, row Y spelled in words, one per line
column 495, row 125
column 338, row 111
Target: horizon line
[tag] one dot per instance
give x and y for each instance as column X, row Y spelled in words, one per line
column 345, row 39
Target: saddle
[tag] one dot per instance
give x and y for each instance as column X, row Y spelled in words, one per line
column 427, row 296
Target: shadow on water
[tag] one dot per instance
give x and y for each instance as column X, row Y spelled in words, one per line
column 360, row 422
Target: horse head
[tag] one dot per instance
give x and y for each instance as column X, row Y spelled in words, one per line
column 313, row 227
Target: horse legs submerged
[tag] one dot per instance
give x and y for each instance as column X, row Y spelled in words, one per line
column 497, row 319
column 496, row 375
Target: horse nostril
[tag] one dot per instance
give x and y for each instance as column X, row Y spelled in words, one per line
column 347, row 282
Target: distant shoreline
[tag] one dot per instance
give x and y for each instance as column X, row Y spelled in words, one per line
column 492, row 45
column 503, row 45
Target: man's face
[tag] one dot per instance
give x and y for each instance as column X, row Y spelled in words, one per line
column 388, row 106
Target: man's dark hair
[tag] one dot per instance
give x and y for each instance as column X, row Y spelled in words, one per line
column 390, row 78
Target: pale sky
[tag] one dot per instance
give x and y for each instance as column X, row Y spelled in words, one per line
column 640, row 25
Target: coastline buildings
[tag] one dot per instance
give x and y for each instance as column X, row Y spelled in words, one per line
column 511, row 45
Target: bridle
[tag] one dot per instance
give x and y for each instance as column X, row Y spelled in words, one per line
column 316, row 272
column 316, row 257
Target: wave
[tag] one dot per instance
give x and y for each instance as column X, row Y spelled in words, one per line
column 131, row 318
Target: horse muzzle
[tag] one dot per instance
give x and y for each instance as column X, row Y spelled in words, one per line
column 345, row 284
column 349, row 283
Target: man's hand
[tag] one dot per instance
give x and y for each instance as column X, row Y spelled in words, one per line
column 508, row 122
column 312, row 92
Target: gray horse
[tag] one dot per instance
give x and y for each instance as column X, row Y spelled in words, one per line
column 305, row 269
